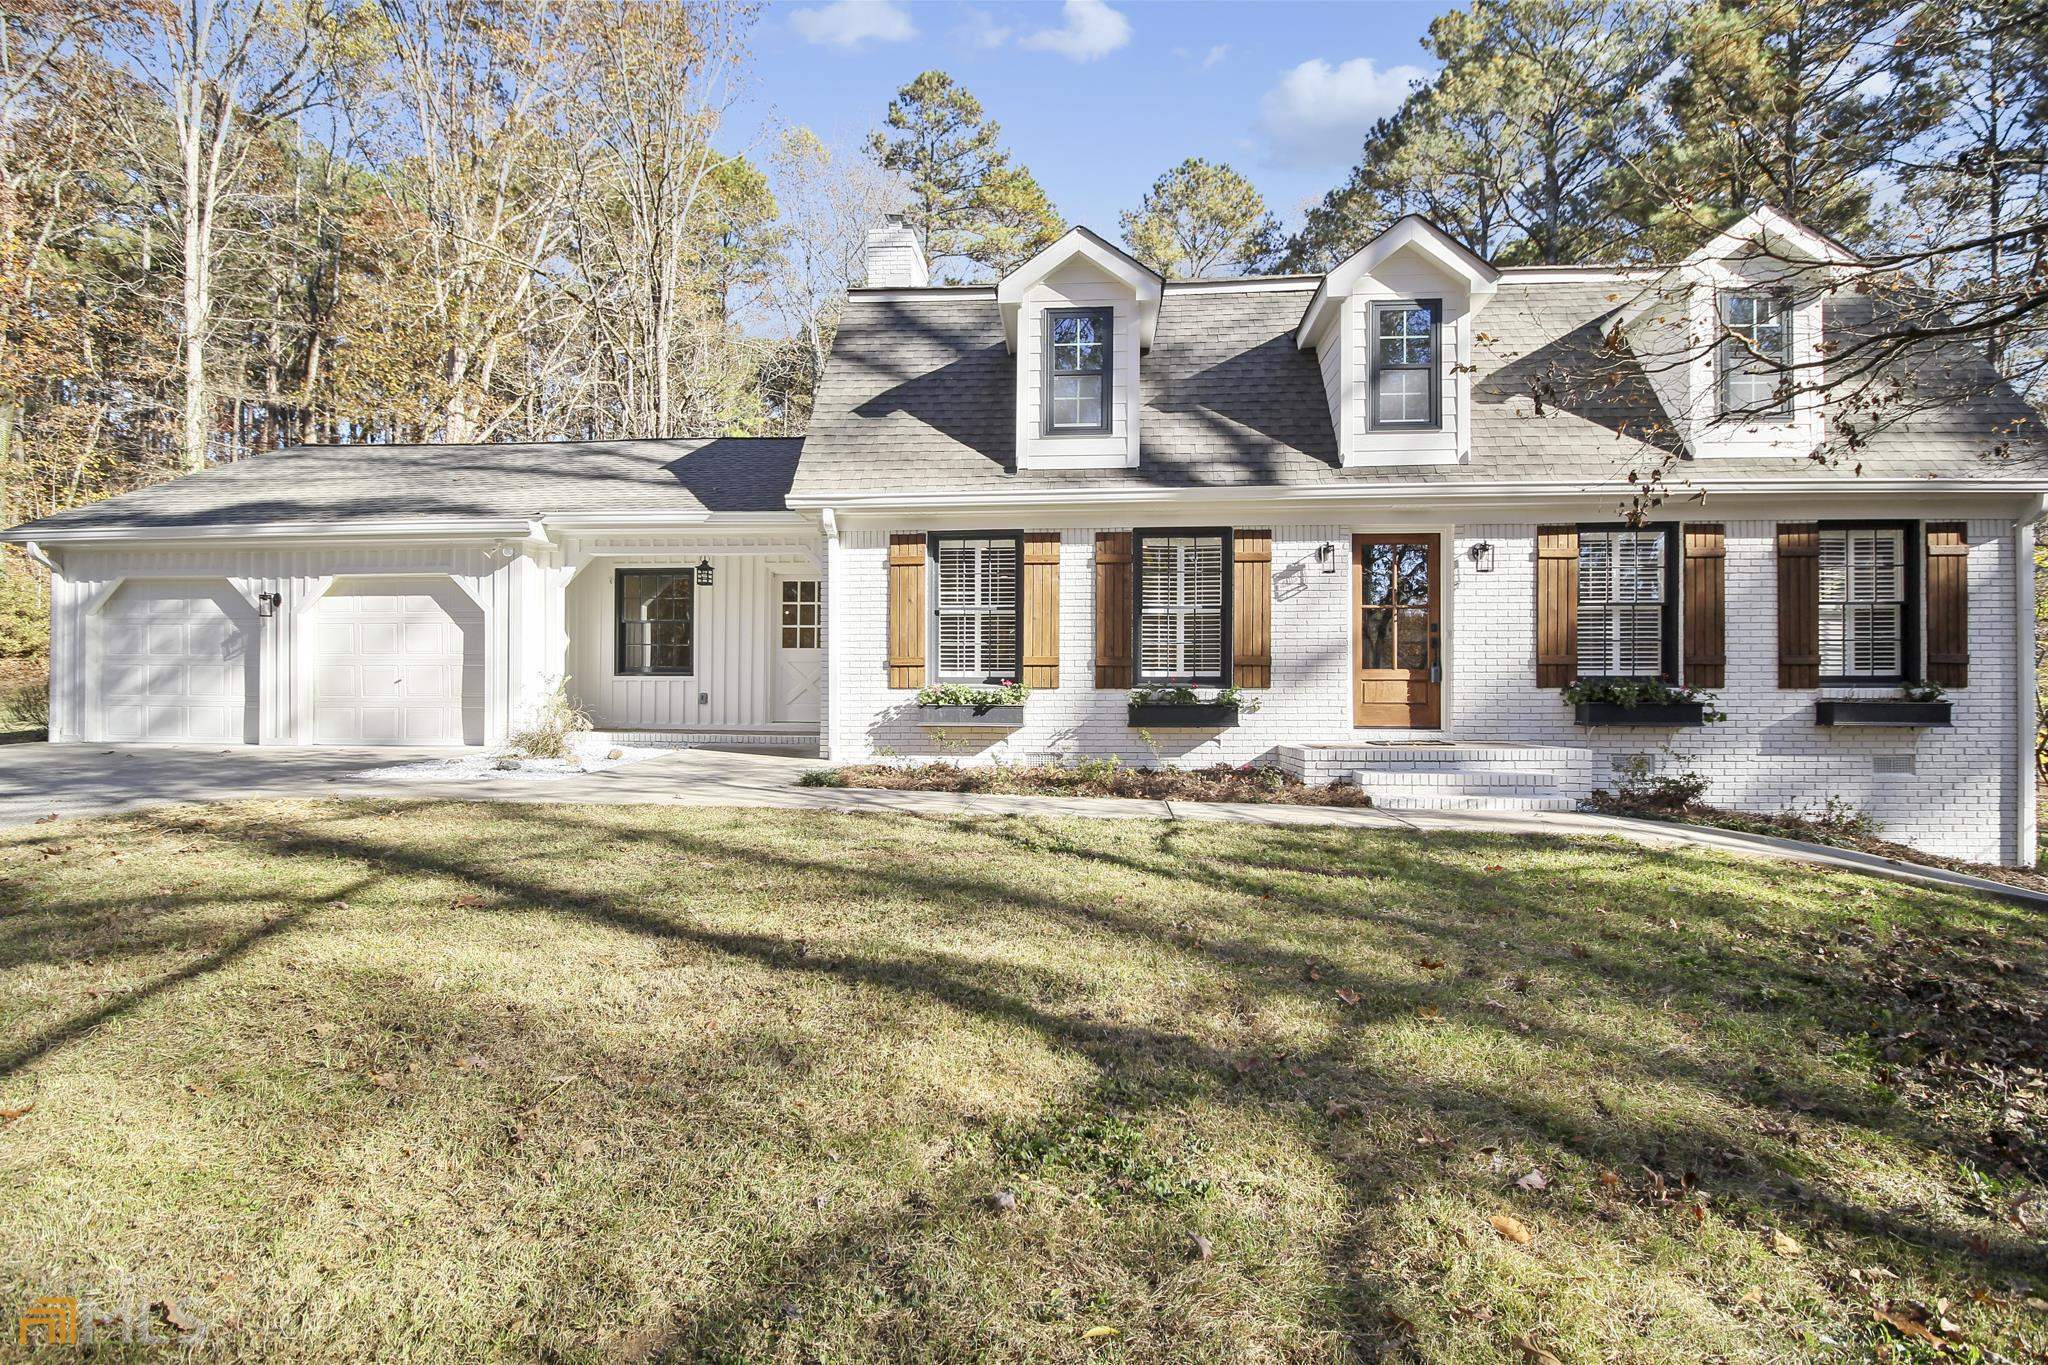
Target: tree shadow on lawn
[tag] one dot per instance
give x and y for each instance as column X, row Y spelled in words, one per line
column 1321, row 1090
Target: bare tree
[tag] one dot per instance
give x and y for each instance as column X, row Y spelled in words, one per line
column 227, row 71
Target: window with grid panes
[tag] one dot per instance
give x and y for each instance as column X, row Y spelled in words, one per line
column 1621, row 603
column 1863, row 603
column 656, row 615
column 978, row 607
column 800, row 613
column 1180, row 618
column 1078, row 380
column 1405, row 377
column 1755, row 349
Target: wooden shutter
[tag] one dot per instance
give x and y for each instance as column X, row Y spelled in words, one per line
column 1557, row 605
column 906, row 609
column 1251, row 609
column 1041, row 609
column 1706, row 594
column 1948, row 603
column 1798, row 606
column 1112, row 608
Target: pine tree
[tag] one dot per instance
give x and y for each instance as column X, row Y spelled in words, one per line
column 1201, row 218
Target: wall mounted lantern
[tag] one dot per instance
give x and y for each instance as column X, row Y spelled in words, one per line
column 704, row 573
column 267, row 603
column 1326, row 555
column 1481, row 555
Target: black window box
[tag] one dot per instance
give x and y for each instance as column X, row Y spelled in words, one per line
column 1201, row 715
column 975, row 717
column 1669, row 714
column 1919, row 715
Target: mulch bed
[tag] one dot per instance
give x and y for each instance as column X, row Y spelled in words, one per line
column 1793, row 827
column 1219, row 783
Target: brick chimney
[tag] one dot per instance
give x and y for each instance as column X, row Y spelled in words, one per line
column 895, row 260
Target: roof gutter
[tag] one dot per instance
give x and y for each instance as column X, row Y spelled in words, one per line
column 1440, row 493
column 449, row 528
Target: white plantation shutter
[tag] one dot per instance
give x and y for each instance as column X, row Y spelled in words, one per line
column 1862, row 602
column 977, row 608
column 1621, row 603
column 1180, row 612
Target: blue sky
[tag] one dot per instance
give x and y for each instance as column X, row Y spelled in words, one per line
column 1098, row 97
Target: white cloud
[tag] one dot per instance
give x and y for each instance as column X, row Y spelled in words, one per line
column 851, row 23
column 981, row 33
column 1092, row 30
column 1318, row 114
column 1215, row 55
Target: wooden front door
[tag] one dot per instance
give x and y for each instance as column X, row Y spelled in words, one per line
column 1399, row 657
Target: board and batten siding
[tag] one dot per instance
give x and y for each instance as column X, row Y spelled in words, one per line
column 300, row 575
column 733, row 644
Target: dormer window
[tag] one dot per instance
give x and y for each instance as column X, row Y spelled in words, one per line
column 1077, row 370
column 1407, row 381
column 1756, row 347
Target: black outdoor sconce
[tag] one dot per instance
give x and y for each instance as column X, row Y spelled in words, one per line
column 1326, row 555
column 1481, row 556
column 267, row 603
column 704, row 573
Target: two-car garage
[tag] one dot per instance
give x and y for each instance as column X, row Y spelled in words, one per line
column 385, row 660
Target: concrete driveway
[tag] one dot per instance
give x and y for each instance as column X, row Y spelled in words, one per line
column 37, row 780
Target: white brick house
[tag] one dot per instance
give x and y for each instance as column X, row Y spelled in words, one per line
column 1387, row 503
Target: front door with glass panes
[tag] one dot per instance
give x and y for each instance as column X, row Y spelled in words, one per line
column 1398, row 680
column 798, row 657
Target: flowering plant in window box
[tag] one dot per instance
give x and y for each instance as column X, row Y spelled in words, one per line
column 1639, row 701
column 973, row 704
column 1920, row 705
column 1186, row 709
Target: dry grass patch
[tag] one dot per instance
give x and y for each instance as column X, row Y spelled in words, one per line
column 1095, row 777
column 444, row 1081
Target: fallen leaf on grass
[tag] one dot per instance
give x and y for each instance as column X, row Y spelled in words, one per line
column 1534, row 1180
column 1906, row 1327
column 1784, row 1246
column 1533, row 1353
column 1204, row 1249
column 1429, row 964
column 1003, row 1201
column 10, row 1115
column 1348, row 997
column 1100, row 1333
column 1512, row 1228
column 1609, row 1180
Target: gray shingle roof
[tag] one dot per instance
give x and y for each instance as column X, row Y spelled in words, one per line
column 393, row 482
column 919, row 394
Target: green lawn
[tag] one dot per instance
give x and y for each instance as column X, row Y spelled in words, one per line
column 436, row 1081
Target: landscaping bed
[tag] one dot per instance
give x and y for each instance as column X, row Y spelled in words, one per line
column 424, row 1080
column 1221, row 782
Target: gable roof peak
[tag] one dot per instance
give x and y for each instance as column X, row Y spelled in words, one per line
column 1409, row 232
column 1762, row 232
column 1144, row 282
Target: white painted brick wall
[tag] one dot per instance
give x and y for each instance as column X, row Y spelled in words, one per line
column 1768, row 756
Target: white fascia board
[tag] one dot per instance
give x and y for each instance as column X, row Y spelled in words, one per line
column 467, row 528
column 585, row 522
column 1147, row 284
column 1765, row 228
column 1433, row 493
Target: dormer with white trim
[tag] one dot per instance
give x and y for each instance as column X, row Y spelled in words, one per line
column 1730, row 338
column 1078, row 316
column 1392, row 330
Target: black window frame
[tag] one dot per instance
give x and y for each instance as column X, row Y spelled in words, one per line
column 1728, row 346
column 619, row 623
column 1912, row 546
column 1105, row 319
column 938, row 675
column 1221, row 678
column 1435, row 367
column 1668, row 624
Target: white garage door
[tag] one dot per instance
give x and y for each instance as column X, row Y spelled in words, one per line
column 397, row 661
column 175, row 664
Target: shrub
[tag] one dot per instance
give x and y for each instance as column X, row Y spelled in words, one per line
column 27, row 706
column 1644, row 791
column 821, row 777
column 548, row 730
column 1232, row 695
column 24, row 610
column 1839, row 818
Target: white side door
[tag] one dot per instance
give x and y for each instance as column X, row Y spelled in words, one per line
column 799, row 668
column 397, row 661
column 175, row 662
